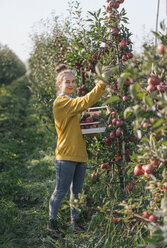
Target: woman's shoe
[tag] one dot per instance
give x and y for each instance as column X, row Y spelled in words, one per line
column 76, row 226
column 52, row 227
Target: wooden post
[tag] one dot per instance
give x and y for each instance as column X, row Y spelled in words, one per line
column 157, row 18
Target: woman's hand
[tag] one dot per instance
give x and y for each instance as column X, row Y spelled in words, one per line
column 103, row 73
column 106, row 71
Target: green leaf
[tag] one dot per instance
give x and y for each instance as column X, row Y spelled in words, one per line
column 164, row 142
column 98, row 13
column 162, row 25
column 121, row 82
column 158, row 123
column 148, row 100
column 128, row 112
column 93, row 14
column 141, row 95
column 106, row 204
column 89, row 20
column 101, row 78
column 112, row 99
column 134, row 89
column 145, row 140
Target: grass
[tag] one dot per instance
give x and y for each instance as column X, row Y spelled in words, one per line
column 27, row 169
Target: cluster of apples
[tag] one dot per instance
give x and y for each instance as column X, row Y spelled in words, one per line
column 94, row 175
column 89, row 64
column 145, row 170
column 149, row 216
column 154, row 83
column 114, row 19
column 115, row 130
column 82, row 90
column 62, row 50
column 113, row 4
column 129, row 187
column 91, row 120
column 105, row 166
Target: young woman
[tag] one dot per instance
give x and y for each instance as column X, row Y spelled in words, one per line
column 71, row 155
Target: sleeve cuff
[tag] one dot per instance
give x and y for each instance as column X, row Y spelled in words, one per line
column 101, row 84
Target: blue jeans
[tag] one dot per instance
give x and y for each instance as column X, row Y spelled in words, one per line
column 69, row 175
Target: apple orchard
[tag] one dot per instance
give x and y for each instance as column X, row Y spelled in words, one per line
column 124, row 196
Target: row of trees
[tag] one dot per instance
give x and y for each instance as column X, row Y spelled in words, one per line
column 11, row 67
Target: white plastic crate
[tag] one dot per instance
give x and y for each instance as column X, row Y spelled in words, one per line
column 87, row 126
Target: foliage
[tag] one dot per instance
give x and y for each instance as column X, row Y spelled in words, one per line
column 11, row 67
column 150, row 126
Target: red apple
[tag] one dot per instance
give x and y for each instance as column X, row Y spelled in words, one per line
column 145, row 124
column 161, row 49
column 129, row 187
column 125, row 98
column 95, row 56
column 124, row 57
column 149, row 168
column 86, row 75
column 107, row 141
column 118, row 132
column 153, row 80
column 127, row 82
column 123, row 43
column 138, row 171
column 115, row 5
column 115, row 219
column 83, row 87
column 150, row 88
column 89, row 119
column 114, row 31
column 162, row 88
column 108, row 167
column 145, row 214
column 129, row 55
column 110, row 126
column 153, row 218
column 155, row 162
column 114, row 121
column 146, row 174
column 84, row 61
column 109, row 6
column 90, row 66
column 111, row 16
column 134, row 181
column 164, row 187
column 103, row 166
column 112, row 134
column 119, row 123
column 113, row 114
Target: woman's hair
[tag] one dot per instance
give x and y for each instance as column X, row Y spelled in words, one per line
column 61, row 70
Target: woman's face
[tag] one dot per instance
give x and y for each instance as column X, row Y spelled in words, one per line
column 67, row 84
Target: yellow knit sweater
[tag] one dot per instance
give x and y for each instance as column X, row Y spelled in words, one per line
column 71, row 143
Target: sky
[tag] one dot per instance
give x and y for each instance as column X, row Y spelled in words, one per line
column 19, row 17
